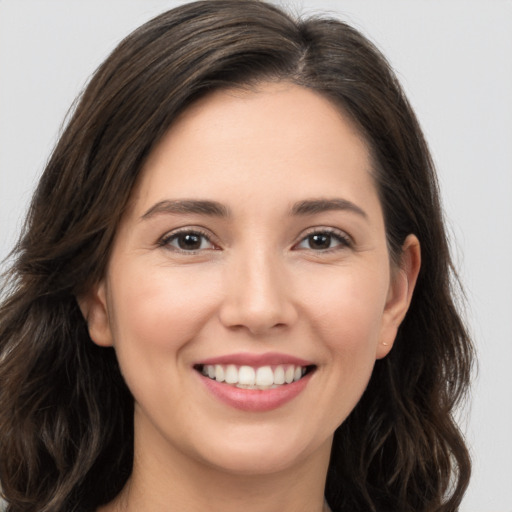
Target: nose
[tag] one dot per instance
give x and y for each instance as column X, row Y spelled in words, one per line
column 258, row 295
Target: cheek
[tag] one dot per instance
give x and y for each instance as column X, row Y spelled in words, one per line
column 347, row 311
column 157, row 313
column 160, row 310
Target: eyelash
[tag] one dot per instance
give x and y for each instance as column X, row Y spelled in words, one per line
column 167, row 239
column 344, row 241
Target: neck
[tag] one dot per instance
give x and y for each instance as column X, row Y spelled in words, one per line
column 165, row 482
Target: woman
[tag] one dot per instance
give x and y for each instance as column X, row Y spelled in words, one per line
column 233, row 287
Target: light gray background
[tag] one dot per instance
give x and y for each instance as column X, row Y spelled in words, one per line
column 454, row 59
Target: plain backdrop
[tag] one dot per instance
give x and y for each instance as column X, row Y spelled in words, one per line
column 454, row 59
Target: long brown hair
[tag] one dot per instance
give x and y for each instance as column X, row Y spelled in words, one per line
column 66, row 416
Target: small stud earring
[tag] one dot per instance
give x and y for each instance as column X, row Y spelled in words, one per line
column 385, row 344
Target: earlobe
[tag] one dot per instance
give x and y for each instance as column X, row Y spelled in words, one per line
column 402, row 285
column 93, row 305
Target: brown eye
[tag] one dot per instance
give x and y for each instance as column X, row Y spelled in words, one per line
column 319, row 241
column 323, row 241
column 188, row 241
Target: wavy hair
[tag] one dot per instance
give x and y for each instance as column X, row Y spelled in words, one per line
column 66, row 415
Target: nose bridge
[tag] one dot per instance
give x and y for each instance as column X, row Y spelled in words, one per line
column 257, row 295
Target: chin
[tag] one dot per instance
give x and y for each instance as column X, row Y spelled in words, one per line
column 260, row 452
column 253, row 464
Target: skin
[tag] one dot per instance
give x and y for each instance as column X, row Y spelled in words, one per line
column 256, row 283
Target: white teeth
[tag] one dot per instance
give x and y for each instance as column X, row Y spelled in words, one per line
column 288, row 376
column 219, row 373
column 247, row 377
column 231, row 376
column 279, row 375
column 264, row 376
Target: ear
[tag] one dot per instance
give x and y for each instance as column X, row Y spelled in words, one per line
column 403, row 281
column 94, row 309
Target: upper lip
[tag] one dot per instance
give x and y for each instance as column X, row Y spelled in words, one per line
column 256, row 360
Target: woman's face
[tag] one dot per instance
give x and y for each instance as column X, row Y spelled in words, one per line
column 253, row 253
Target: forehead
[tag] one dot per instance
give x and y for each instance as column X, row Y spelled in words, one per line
column 279, row 135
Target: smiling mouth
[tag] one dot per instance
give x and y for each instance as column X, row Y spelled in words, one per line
column 257, row 378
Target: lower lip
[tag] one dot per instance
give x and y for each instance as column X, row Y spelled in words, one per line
column 255, row 400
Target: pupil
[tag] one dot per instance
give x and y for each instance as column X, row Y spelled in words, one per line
column 321, row 241
column 189, row 241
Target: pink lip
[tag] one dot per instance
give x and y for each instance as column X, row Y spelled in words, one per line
column 256, row 360
column 255, row 400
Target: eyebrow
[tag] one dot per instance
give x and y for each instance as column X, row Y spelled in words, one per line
column 313, row 206
column 215, row 209
column 184, row 206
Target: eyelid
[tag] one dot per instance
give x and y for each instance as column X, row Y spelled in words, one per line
column 344, row 238
column 164, row 241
